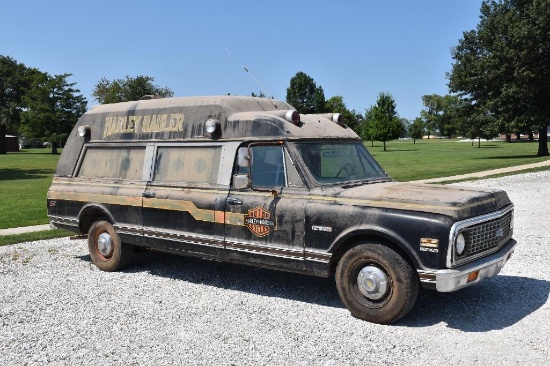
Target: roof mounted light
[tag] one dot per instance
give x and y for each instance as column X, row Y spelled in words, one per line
column 293, row 116
column 212, row 128
column 338, row 118
column 85, row 132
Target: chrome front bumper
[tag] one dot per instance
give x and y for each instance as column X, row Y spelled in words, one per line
column 448, row 280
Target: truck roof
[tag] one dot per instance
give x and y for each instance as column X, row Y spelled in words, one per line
column 185, row 118
column 212, row 118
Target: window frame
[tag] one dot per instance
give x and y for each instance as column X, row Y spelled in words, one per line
column 288, row 162
column 374, row 165
column 114, row 146
column 219, row 174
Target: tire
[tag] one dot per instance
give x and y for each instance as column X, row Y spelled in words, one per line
column 376, row 283
column 108, row 253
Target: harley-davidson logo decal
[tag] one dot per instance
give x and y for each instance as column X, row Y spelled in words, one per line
column 259, row 221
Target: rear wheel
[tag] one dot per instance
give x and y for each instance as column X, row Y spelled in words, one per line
column 376, row 283
column 108, row 253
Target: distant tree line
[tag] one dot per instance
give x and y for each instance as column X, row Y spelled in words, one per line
column 36, row 104
column 42, row 107
column 308, row 98
column 499, row 83
column 501, row 69
column 129, row 88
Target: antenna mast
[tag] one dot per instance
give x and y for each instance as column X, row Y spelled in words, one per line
column 253, row 77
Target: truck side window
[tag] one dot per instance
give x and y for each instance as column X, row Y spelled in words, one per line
column 267, row 166
column 113, row 162
column 294, row 179
column 190, row 164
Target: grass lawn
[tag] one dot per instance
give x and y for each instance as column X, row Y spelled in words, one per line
column 406, row 161
column 24, row 180
column 36, row 235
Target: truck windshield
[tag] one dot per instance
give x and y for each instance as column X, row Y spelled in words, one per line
column 339, row 162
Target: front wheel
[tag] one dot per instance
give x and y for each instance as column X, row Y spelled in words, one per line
column 108, row 253
column 376, row 283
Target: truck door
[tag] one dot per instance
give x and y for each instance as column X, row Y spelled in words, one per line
column 183, row 203
column 267, row 195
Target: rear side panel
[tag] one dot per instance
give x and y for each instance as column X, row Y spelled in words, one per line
column 75, row 201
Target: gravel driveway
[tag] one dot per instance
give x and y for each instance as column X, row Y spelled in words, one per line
column 57, row 308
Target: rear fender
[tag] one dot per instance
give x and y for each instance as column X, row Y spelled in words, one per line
column 91, row 213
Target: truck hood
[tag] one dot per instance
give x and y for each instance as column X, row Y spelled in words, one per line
column 457, row 202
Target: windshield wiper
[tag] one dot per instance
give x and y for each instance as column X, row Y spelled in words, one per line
column 356, row 183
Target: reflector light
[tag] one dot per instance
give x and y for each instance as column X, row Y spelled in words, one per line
column 429, row 243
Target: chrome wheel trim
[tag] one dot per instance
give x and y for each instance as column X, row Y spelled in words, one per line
column 373, row 283
column 105, row 244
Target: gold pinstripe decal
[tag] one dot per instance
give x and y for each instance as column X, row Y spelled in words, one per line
column 199, row 214
column 95, row 197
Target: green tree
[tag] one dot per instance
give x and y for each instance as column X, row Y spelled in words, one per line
column 129, row 88
column 336, row 104
column 382, row 119
column 53, row 107
column 430, row 114
column 404, row 127
column 366, row 130
column 441, row 114
column 416, row 129
column 15, row 80
column 304, row 94
column 502, row 66
column 476, row 123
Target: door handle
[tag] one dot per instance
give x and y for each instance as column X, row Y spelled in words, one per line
column 148, row 194
column 234, row 201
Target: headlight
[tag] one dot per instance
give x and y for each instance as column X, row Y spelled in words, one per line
column 460, row 244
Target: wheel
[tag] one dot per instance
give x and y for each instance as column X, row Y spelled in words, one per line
column 376, row 283
column 108, row 253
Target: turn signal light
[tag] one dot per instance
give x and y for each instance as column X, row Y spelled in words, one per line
column 473, row 276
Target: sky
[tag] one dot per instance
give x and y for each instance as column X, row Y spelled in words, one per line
column 354, row 49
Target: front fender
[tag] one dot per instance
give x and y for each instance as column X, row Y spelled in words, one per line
column 353, row 236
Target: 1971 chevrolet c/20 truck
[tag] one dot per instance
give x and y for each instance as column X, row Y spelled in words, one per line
column 250, row 180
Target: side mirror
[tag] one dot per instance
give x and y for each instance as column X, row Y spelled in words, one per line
column 242, row 157
column 241, row 181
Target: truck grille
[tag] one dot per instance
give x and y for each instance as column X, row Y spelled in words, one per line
column 484, row 235
column 488, row 235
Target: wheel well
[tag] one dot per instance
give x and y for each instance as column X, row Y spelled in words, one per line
column 362, row 239
column 90, row 215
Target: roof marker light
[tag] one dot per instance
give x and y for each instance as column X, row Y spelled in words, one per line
column 338, row 119
column 293, row 116
column 212, row 127
column 85, row 132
